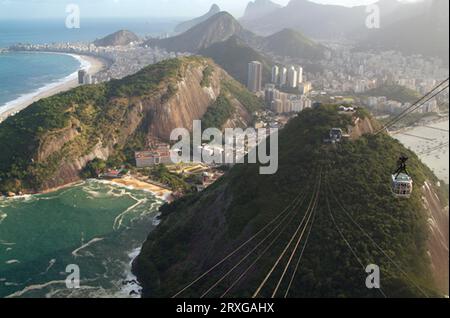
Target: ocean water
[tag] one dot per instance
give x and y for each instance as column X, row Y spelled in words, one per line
column 53, row 30
column 25, row 73
column 94, row 225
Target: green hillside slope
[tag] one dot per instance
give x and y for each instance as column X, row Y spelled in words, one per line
column 349, row 185
column 233, row 56
column 50, row 142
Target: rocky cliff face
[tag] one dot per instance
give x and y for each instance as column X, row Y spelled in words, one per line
column 190, row 102
column 103, row 123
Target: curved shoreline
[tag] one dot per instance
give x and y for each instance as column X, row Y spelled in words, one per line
column 91, row 64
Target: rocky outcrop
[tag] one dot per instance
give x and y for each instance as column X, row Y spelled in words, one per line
column 361, row 126
column 189, row 102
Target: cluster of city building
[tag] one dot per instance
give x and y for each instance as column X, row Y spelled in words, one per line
column 294, row 100
column 357, row 72
column 384, row 105
column 291, row 77
column 280, row 102
column 122, row 61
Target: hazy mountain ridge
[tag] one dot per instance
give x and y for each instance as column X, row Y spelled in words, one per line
column 426, row 33
column 223, row 26
column 412, row 28
column 184, row 26
column 259, row 8
column 217, row 28
column 315, row 20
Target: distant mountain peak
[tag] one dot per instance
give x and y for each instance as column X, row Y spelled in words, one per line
column 184, row 26
column 214, row 8
column 218, row 28
column 259, row 8
column 119, row 38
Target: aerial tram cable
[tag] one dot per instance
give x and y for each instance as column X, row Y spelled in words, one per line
column 425, row 95
column 416, row 105
column 433, row 149
column 288, row 289
column 255, row 261
column 259, row 257
column 294, row 251
column 420, row 105
column 292, row 214
column 409, row 111
column 343, row 236
column 376, row 244
column 311, row 206
column 240, row 247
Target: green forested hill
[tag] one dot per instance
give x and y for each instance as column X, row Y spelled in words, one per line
column 92, row 113
column 395, row 92
column 233, row 56
column 50, row 142
column 353, row 179
column 294, row 44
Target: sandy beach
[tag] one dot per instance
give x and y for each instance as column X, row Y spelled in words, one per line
column 141, row 185
column 90, row 64
column 430, row 143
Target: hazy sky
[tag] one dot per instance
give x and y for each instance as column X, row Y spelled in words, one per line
column 133, row 8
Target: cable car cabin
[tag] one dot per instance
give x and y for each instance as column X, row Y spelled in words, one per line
column 402, row 186
column 336, row 135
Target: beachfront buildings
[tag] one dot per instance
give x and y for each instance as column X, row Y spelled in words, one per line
column 81, row 76
column 254, row 76
column 159, row 153
column 84, row 78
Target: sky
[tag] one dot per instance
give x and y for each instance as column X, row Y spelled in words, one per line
column 133, row 8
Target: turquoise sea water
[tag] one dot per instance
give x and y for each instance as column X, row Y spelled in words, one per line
column 25, row 73
column 93, row 225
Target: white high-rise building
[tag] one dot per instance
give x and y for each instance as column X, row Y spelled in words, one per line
column 283, row 76
column 254, row 81
column 81, row 76
column 292, row 77
column 300, row 74
column 275, row 74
